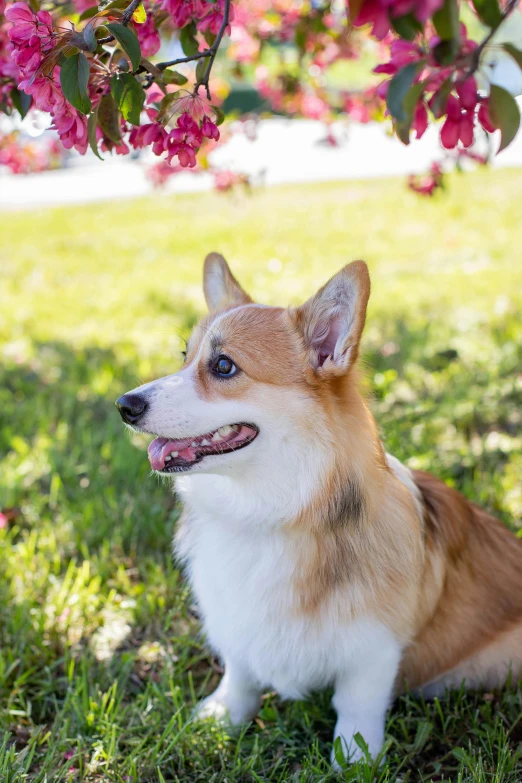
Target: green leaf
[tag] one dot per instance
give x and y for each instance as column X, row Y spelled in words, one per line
column 140, row 15
column 105, row 5
column 488, row 11
column 219, row 115
column 406, row 26
column 445, row 52
column 129, row 96
column 109, row 118
column 504, row 113
column 22, row 101
column 89, row 36
column 91, row 133
column 74, row 77
column 201, row 69
column 515, row 53
column 209, row 37
column 447, row 22
column 403, row 127
column 174, row 77
column 188, row 41
column 166, row 103
column 88, row 13
column 440, row 99
column 398, row 89
column 128, row 42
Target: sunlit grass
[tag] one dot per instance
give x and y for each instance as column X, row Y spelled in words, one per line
column 100, row 657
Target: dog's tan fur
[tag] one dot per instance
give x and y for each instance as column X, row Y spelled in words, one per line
column 450, row 585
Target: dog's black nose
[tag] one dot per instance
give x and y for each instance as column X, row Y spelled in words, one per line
column 131, row 407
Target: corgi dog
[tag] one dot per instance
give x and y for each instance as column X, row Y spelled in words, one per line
column 317, row 559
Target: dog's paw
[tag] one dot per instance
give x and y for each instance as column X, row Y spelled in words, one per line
column 227, row 711
column 213, row 707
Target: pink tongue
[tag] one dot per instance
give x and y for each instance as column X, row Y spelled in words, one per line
column 160, row 448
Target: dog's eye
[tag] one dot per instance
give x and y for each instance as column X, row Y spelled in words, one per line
column 224, row 367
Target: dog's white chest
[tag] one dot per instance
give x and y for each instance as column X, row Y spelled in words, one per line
column 243, row 583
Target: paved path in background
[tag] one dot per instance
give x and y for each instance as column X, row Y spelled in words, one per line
column 284, row 151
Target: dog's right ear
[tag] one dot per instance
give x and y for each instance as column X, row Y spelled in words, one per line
column 222, row 291
column 331, row 322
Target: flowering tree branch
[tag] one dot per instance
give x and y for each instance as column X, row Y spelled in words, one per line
column 113, row 98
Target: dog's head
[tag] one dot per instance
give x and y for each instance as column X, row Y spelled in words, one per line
column 257, row 382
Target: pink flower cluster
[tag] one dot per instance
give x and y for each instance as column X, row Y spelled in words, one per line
column 207, row 15
column 458, row 105
column 379, row 13
column 33, row 38
column 27, row 158
column 182, row 142
column 427, row 184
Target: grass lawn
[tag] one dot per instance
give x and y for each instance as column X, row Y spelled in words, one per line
column 101, row 659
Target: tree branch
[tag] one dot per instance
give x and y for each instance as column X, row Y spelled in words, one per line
column 213, row 51
column 125, row 19
column 476, row 53
column 162, row 66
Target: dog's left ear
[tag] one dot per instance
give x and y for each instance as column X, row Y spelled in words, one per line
column 221, row 288
column 332, row 321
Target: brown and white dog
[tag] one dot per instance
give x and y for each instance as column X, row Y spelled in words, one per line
column 316, row 558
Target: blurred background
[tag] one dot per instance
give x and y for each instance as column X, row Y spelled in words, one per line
column 100, row 284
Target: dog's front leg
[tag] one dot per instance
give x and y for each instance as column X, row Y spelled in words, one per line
column 362, row 697
column 237, row 697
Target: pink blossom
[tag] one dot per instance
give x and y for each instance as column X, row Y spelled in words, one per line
column 313, row 106
column 420, row 120
column 401, row 53
column 379, row 12
column 426, row 185
column 374, row 13
column 485, row 118
column 148, row 36
column 467, row 122
column 152, row 133
column 213, row 18
column 83, row 5
column 186, row 154
column 46, row 92
column 467, row 92
column 189, row 129
column 184, row 11
column 71, row 127
column 209, row 129
column 450, row 132
column 27, row 24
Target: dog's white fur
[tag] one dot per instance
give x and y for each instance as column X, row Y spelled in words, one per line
column 241, row 571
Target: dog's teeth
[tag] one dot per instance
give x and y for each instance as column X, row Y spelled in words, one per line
column 174, row 453
column 193, row 444
column 167, row 458
column 226, row 430
column 205, row 442
column 215, row 437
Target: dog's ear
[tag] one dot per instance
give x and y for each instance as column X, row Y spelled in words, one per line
column 331, row 322
column 221, row 288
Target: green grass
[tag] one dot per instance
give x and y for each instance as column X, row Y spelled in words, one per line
column 101, row 660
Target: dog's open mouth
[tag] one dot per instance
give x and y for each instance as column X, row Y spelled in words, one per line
column 175, row 456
